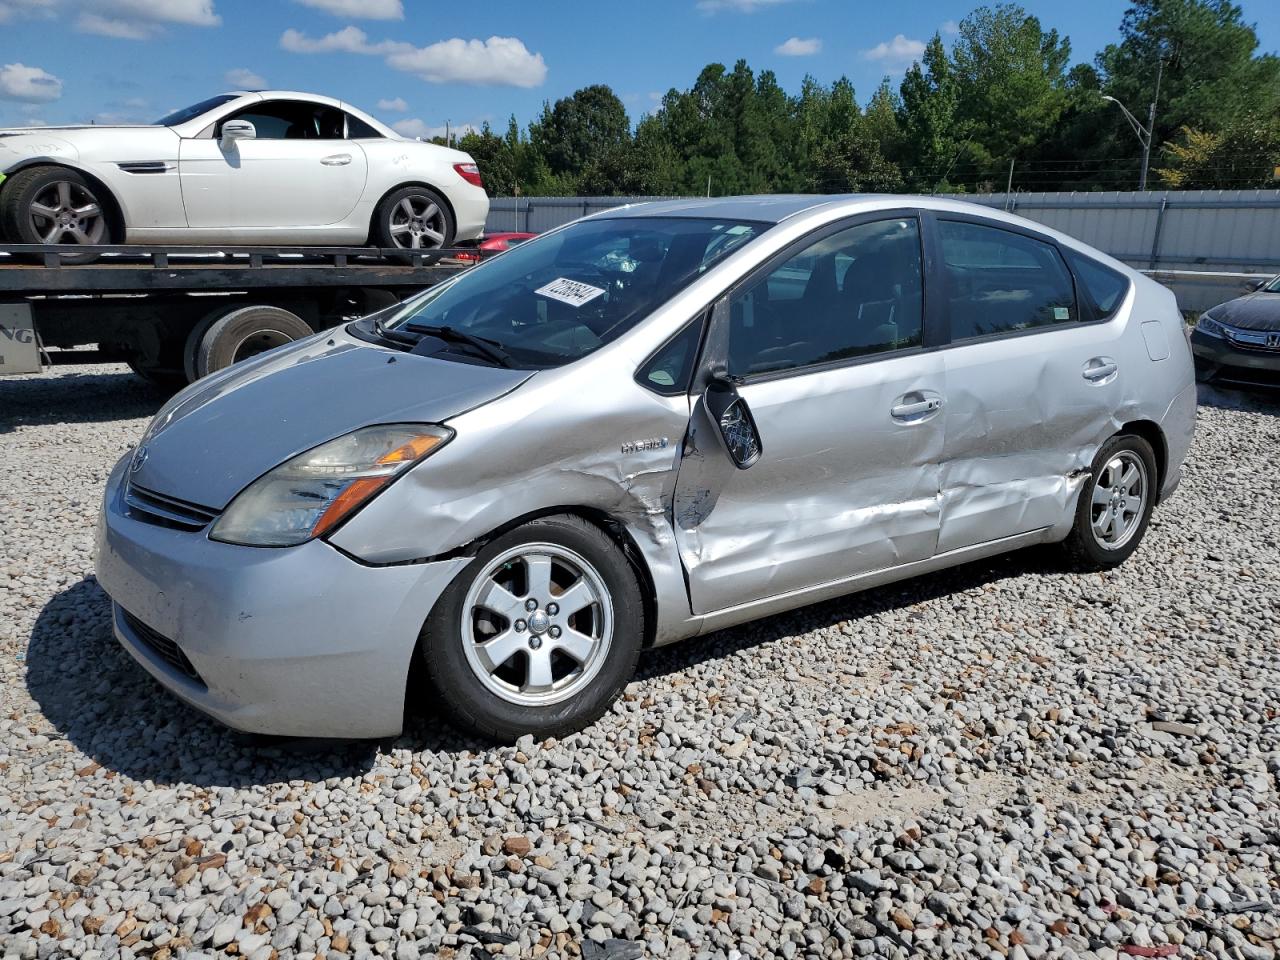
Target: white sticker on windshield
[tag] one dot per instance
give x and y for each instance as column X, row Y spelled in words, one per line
column 568, row 291
column 1062, row 313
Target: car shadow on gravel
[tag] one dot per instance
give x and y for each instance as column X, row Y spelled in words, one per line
column 76, row 398
column 1252, row 400
column 1046, row 559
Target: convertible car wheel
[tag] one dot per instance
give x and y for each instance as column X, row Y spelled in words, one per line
column 414, row 218
column 54, row 205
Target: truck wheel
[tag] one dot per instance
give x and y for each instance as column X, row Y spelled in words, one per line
column 55, row 205
column 246, row 332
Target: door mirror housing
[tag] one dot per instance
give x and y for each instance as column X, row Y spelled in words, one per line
column 733, row 420
column 234, row 130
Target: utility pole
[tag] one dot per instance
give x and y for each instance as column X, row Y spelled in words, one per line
column 1146, row 133
column 1151, row 126
column 447, row 143
column 1008, row 190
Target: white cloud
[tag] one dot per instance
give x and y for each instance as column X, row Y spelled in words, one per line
column 144, row 19
column 737, row 6
column 242, row 78
column 359, row 9
column 415, row 127
column 797, row 47
column 346, row 40
column 951, row 27
column 896, row 54
column 498, row 61
column 9, row 9
column 28, row 84
column 394, row 104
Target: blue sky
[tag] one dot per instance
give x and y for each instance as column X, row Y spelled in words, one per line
column 418, row 63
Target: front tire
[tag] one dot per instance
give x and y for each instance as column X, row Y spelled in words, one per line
column 1115, row 504
column 538, row 634
column 55, row 205
column 413, row 218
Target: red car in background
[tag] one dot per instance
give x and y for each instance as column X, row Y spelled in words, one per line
column 496, row 243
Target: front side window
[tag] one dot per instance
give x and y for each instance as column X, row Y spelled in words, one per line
column 850, row 294
column 292, row 120
column 1000, row 282
column 564, row 295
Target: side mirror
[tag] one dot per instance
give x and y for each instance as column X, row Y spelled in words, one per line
column 234, row 130
column 734, row 422
column 1258, row 284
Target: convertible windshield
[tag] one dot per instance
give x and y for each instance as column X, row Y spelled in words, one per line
column 193, row 111
column 558, row 298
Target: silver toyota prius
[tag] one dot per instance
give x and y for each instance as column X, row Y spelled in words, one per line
column 652, row 423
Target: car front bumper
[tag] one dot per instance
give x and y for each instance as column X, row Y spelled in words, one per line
column 295, row 641
column 1218, row 359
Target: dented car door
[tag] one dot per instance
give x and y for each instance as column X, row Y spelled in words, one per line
column 813, row 454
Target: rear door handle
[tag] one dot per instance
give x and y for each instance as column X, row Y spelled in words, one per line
column 915, row 406
column 1099, row 369
column 337, row 160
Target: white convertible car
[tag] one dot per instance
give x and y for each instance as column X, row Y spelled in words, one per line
column 270, row 167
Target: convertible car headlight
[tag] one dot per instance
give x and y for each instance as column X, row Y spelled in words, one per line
column 308, row 496
column 1206, row 324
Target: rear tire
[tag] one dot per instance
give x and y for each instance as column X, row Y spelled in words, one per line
column 413, row 218
column 1115, row 504
column 56, row 205
column 243, row 333
column 589, row 649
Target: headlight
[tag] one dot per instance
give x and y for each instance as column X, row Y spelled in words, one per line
column 1207, row 325
column 311, row 494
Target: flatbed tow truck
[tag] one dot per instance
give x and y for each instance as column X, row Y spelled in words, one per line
column 175, row 314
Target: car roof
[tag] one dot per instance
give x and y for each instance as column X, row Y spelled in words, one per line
column 775, row 208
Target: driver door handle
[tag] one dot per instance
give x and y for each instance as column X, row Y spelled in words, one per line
column 337, row 160
column 916, row 406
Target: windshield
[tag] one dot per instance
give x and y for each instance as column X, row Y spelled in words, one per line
column 1273, row 286
column 560, row 297
column 193, row 111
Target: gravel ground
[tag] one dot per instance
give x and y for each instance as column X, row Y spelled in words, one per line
column 1006, row 760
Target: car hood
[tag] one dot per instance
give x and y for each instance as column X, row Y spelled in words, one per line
column 1255, row 311
column 88, row 144
column 222, row 433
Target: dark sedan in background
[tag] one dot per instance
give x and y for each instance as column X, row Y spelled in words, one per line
column 1239, row 341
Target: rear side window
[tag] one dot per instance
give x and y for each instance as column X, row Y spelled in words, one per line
column 1103, row 287
column 1000, row 282
column 357, row 129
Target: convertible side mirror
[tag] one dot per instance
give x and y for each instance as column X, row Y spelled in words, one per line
column 234, row 130
column 733, row 420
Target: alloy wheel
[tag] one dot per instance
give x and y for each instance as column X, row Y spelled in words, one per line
column 1119, row 500
column 417, row 223
column 537, row 624
column 67, row 212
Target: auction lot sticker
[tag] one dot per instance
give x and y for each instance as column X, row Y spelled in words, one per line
column 568, row 291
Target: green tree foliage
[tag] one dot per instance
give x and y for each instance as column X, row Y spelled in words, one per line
column 1004, row 92
column 1244, row 154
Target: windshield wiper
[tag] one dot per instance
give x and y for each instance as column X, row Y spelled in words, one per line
column 490, row 349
